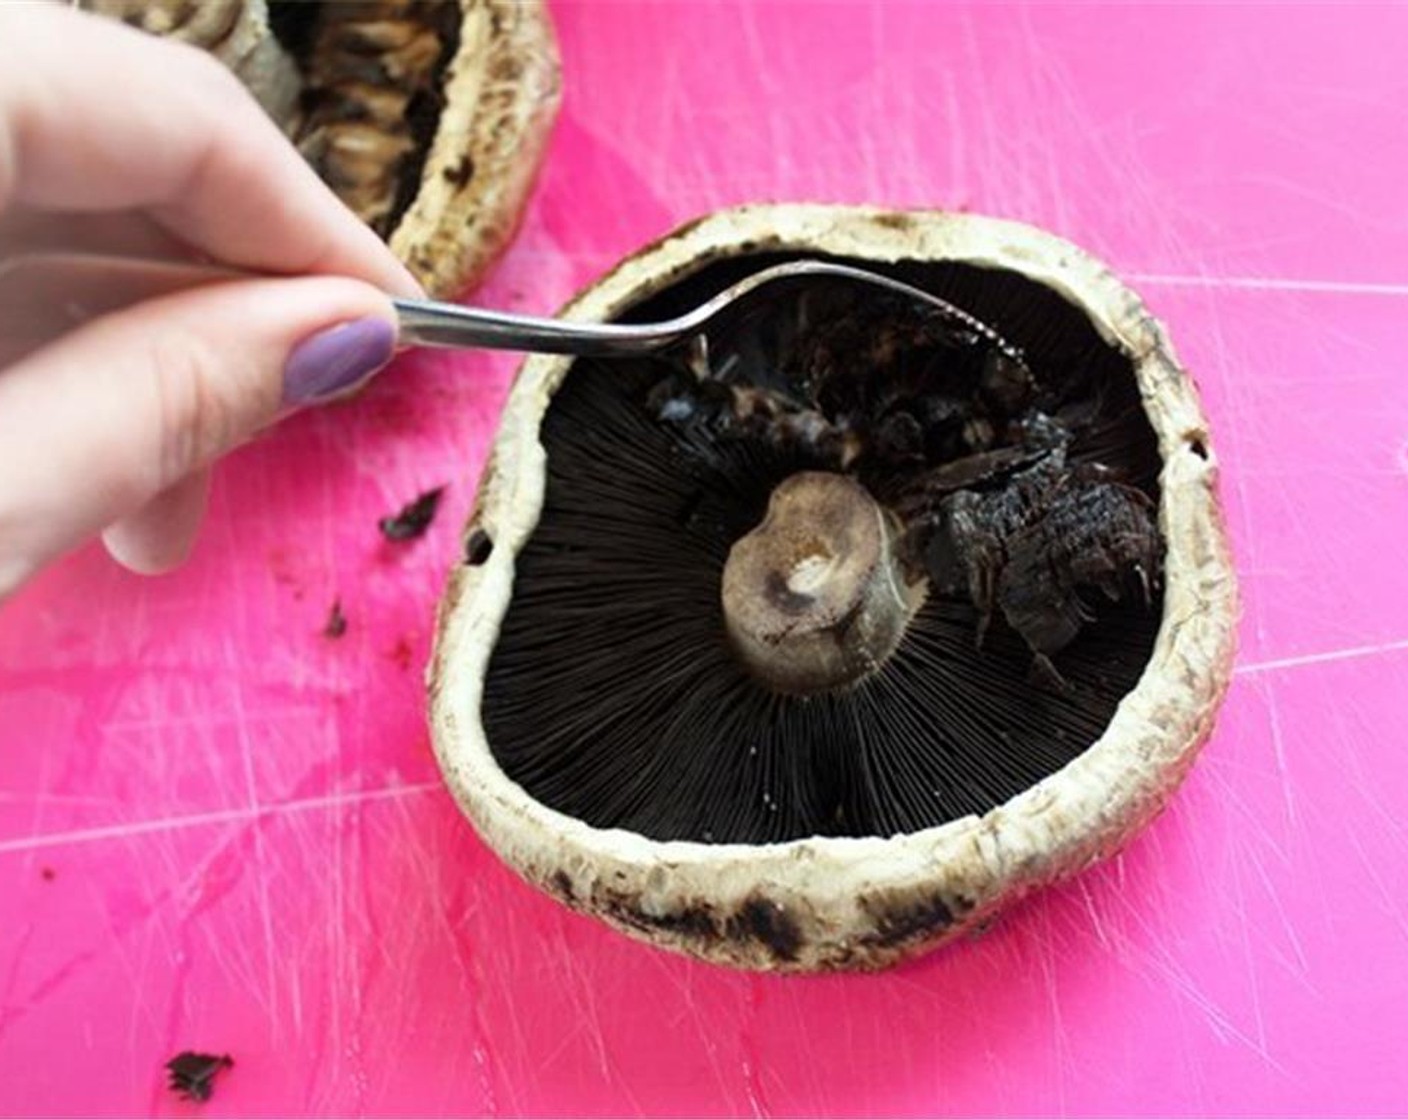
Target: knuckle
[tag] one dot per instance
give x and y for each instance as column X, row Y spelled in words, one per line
column 197, row 411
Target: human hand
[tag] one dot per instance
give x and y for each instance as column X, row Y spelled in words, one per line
column 113, row 427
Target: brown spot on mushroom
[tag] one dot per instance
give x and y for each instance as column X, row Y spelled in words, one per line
column 767, row 923
column 898, row 919
column 459, row 173
column 896, row 221
column 478, row 547
column 687, row 920
column 506, row 68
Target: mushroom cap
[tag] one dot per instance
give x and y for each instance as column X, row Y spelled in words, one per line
column 499, row 94
column 824, row 903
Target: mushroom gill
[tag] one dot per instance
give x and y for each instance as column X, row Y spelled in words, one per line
column 746, row 615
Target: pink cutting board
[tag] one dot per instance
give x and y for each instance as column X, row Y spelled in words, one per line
column 221, row 830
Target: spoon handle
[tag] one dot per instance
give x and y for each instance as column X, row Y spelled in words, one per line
column 431, row 323
column 45, row 294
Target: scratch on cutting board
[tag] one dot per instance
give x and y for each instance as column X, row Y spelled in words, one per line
column 581, row 990
column 430, row 913
column 109, row 939
column 681, row 975
column 1232, row 797
column 466, row 951
column 254, row 833
column 1351, row 653
column 36, row 815
column 1368, row 788
column 1061, row 1050
column 748, row 1043
column 45, row 798
column 213, row 877
column 1348, row 750
column 1235, row 404
column 1227, row 816
column 175, row 1006
column 988, row 132
column 1043, row 66
column 509, row 1036
column 1238, row 911
column 216, row 816
column 12, row 976
column 373, row 936
column 1278, row 748
column 1270, row 284
column 1152, row 956
column 1300, row 968
column 958, row 142
column 764, row 69
column 172, row 974
column 338, row 937
column 1195, row 1072
column 211, row 880
column 1388, row 901
column 883, row 97
column 1094, row 913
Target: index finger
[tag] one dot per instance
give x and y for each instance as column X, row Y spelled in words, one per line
column 95, row 116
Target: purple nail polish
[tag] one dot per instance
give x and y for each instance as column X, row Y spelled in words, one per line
column 337, row 358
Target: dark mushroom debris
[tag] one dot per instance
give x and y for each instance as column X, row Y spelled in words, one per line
column 336, row 625
column 413, row 519
column 192, row 1075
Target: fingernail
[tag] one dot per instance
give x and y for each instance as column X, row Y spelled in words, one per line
column 335, row 359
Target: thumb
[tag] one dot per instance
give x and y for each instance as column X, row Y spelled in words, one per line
column 96, row 425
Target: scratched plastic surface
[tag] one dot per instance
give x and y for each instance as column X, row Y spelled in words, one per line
column 221, row 830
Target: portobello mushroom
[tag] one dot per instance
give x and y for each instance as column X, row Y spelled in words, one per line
column 428, row 118
column 821, row 653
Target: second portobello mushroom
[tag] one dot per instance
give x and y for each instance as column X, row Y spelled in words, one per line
column 427, row 118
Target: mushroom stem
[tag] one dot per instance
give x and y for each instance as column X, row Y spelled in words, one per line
column 814, row 597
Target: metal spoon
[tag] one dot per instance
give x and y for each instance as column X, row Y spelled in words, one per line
column 44, row 294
